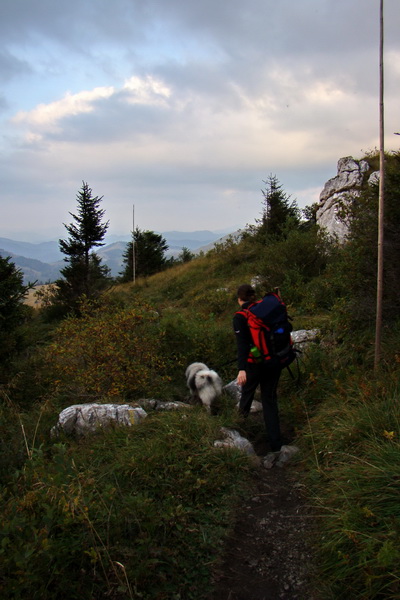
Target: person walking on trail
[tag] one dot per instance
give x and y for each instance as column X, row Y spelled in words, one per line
column 254, row 373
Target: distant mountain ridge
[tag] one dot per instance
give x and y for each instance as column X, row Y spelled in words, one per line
column 47, row 252
column 34, row 270
column 41, row 262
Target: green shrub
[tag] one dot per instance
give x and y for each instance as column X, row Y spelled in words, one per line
column 292, row 263
column 193, row 338
column 108, row 353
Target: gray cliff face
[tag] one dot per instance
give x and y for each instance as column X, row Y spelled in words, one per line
column 351, row 175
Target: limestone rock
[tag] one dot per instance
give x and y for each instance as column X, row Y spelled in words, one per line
column 256, row 281
column 151, row 404
column 233, row 439
column 233, row 389
column 302, row 337
column 285, row 454
column 374, row 178
column 346, row 186
column 81, row 419
column 279, row 458
column 256, row 406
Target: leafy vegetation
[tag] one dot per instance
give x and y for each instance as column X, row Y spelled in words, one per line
column 142, row 512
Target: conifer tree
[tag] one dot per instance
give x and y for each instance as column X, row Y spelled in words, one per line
column 84, row 274
column 12, row 309
column 150, row 248
column 185, row 255
column 279, row 212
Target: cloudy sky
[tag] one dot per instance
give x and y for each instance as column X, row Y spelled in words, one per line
column 184, row 107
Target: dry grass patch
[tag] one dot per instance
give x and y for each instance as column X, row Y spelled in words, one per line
column 36, row 297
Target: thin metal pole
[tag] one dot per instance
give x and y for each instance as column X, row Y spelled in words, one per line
column 379, row 286
column 133, row 246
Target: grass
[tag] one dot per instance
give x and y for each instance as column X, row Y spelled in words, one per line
column 352, row 445
column 137, row 514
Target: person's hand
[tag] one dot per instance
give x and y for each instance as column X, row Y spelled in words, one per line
column 241, row 378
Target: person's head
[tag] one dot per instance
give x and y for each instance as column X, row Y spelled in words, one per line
column 245, row 293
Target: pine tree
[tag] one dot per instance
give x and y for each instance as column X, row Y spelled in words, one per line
column 279, row 213
column 185, row 255
column 150, row 248
column 84, row 275
column 12, row 310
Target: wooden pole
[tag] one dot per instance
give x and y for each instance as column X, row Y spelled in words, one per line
column 379, row 286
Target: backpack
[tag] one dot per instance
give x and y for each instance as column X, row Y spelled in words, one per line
column 270, row 329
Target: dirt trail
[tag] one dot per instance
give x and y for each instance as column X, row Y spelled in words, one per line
column 268, row 555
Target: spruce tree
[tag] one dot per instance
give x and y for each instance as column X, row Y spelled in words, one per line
column 84, row 275
column 185, row 255
column 280, row 214
column 150, row 248
column 12, row 310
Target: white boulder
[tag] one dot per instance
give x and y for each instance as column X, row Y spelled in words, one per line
column 81, row 419
column 233, row 439
column 302, row 337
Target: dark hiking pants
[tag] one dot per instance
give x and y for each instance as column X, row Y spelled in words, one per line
column 267, row 378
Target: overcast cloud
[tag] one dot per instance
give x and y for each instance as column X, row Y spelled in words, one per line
column 183, row 107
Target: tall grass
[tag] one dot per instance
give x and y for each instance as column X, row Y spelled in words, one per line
column 123, row 514
column 352, row 444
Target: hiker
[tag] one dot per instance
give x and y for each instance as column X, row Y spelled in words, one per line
column 254, row 372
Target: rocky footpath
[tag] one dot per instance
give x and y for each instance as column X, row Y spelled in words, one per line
column 269, row 553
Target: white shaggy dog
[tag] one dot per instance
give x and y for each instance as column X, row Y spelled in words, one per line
column 205, row 385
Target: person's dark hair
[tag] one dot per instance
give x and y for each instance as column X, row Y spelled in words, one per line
column 246, row 293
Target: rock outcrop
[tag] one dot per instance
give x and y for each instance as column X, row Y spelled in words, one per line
column 233, row 439
column 351, row 176
column 160, row 405
column 81, row 419
column 302, row 337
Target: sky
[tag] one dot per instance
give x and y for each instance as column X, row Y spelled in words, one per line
column 183, row 108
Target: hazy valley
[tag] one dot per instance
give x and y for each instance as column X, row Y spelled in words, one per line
column 41, row 262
